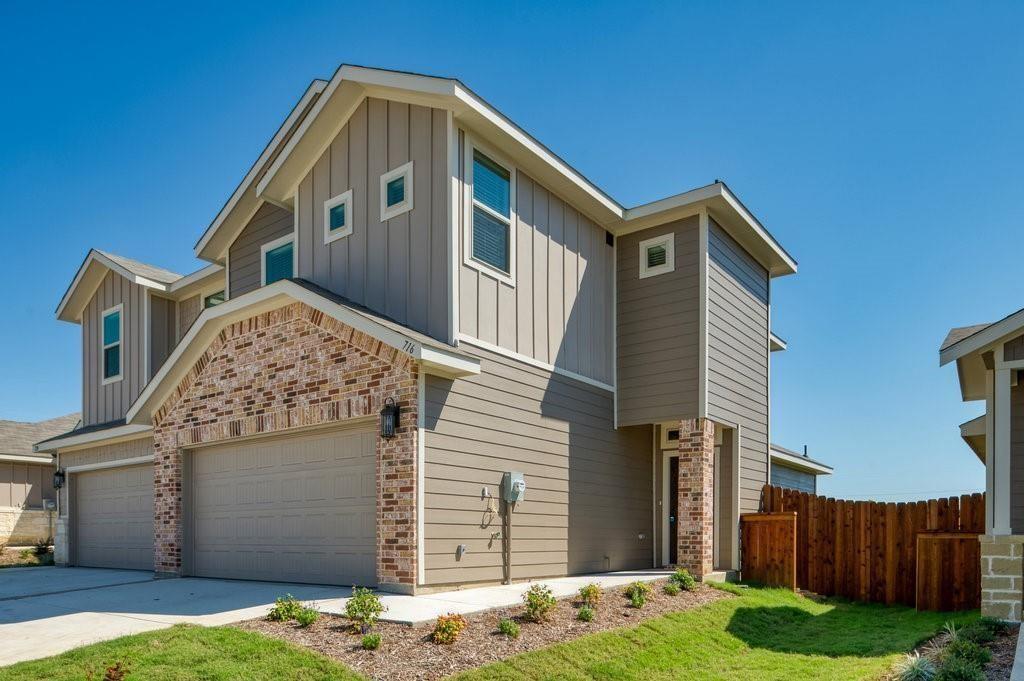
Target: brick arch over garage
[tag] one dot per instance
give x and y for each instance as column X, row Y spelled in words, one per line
column 291, row 368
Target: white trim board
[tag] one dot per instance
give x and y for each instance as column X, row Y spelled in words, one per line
column 120, row 433
column 484, row 345
column 103, row 465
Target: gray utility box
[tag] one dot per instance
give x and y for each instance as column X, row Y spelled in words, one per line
column 513, row 487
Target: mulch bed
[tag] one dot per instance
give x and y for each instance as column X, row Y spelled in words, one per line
column 14, row 558
column 408, row 653
column 1003, row 649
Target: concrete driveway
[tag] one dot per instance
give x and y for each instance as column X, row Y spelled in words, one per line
column 45, row 611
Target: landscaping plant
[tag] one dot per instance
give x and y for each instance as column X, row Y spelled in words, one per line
column 638, row 593
column 448, row 627
column 913, row 667
column 306, row 617
column 590, row 594
column 994, row 625
column 968, row 651
column 509, row 627
column 671, row 588
column 957, row 669
column 42, row 547
column 371, row 642
column 684, row 579
column 585, row 614
column 286, row 609
column 539, row 602
column 977, row 633
column 363, row 608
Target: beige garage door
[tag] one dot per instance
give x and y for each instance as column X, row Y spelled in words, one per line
column 298, row 509
column 114, row 518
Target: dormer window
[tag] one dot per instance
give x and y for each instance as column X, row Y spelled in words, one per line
column 213, row 299
column 657, row 256
column 277, row 260
column 396, row 192
column 111, row 359
column 338, row 217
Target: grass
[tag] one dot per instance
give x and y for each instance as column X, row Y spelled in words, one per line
column 185, row 653
column 762, row 634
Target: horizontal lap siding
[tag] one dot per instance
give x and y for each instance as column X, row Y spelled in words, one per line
column 784, row 476
column 559, row 311
column 399, row 267
column 188, row 312
column 659, row 329
column 588, row 486
column 162, row 315
column 738, row 355
column 1017, row 458
column 244, row 268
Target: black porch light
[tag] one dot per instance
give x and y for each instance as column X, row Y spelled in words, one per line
column 58, row 478
column 389, row 418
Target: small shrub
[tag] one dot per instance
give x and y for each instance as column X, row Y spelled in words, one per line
column 684, row 579
column 590, row 594
column 509, row 627
column 306, row 617
column 638, row 593
column 25, row 554
column 965, row 650
column 951, row 630
column 539, row 602
column 363, row 608
column 913, row 667
column 285, row 609
column 978, row 633
column 448, row 628
column 672, row 588
column 957, row 669
column 585, row 614
column 42, row 547
column 996, row 626
column 371, row 641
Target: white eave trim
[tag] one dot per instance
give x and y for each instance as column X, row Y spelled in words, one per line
column 797, row 461
column 776, row 344
column 435, row 360
column 104, row 465
column 125, row 431
column 982, row 339
column 26, row 458
column 196, row 277
column 100, row 258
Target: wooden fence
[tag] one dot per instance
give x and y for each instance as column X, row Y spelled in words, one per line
column 769, row 540
column 868, row 550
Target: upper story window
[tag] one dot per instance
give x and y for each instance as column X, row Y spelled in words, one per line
column 396, row 192
column 213, row 299
column 338, row 217
column 277, row 260
column 112, row 329
column 490, row 237
column 657, row 255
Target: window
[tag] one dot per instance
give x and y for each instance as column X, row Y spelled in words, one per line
column 657, row 255
column 111, row 357
column 213, row 299
column 396, row 192
column 490, row 237
column 338, row 217
column 278, row 260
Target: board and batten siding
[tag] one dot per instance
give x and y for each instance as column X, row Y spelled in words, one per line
column 102, row 403
column 270, row 222
column 560, row 310
column 25, row 485
column 588, row 504
column 659, row 329
column 791, row 478
column 737, row 383
column 399, row 267
column 1017, row 458
column 118, row 451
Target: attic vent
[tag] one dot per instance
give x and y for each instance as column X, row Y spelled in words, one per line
column 609, row 239
column 672, row 435
column 657, row 256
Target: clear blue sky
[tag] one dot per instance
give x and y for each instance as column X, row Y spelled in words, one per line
column 882, row 146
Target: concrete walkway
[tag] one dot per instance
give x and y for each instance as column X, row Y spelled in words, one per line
column 46, row 611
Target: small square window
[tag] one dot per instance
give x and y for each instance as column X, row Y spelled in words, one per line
column 396, row 192
column 278, row 260
column 338, row 217
column 111, row 352
column 657, row 256
column 213, row 299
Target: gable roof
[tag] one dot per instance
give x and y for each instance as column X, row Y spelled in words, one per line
column 797, row 460
column 18, row 437
column 959, row 333
column 340, row 97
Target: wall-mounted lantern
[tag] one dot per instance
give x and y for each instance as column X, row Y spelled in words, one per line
column 389, row 418
column 58, row 478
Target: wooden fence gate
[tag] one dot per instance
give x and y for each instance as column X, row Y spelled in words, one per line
column 922, row 553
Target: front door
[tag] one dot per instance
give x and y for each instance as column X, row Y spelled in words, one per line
column 673, row 509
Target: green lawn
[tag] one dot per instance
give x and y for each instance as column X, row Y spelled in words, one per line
column 185, row 653
column 763, row 634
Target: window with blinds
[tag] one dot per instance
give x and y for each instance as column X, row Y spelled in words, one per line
column 112, row 329
column 492, row 213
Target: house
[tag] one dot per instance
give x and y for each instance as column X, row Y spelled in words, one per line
column 796, row 471
column 26, row 480
column 410, row 304
column 989, row 359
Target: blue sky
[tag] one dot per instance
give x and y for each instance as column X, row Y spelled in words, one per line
column 880, row 145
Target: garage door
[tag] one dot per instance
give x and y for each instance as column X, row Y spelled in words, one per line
column 300, row 509
column 114, row 518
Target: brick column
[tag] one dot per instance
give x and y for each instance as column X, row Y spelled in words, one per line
column 695, row 515
column 167, row 521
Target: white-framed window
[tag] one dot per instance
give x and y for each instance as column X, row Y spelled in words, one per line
column 111, row 356
column 214, row 299
column 396, row 192
column 490, row 235
column 277, row 260
column 338, row 217
column 657, row 255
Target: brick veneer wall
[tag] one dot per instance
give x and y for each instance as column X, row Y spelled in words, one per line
column 1002, row 576
column 695, row 524
column 289, row 368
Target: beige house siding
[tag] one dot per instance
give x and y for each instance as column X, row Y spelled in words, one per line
column 398, row 267
column 102, row 403
column 162, row 315
column 113, row 452
column 25, row 485
column 1014, row 349
column 560, row 310
column 589, row 486
column 659, row 329
column 188, row 311
column 792, row 478
column 270, row 222
column 738, row 355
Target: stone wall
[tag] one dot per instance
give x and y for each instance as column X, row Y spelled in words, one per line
column 25, row 526
column 1002, row 581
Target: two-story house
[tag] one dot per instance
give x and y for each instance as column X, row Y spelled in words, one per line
column 409, row 300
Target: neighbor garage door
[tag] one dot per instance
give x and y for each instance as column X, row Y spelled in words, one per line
column 298, row 509
column 114, row 518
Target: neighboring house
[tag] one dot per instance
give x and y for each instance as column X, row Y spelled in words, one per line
column 989, row 360
column 401, row 243
column 26, row 479
column 796, row 471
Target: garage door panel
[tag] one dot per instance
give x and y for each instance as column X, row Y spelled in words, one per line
column 299, row 509
column 114, row 518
